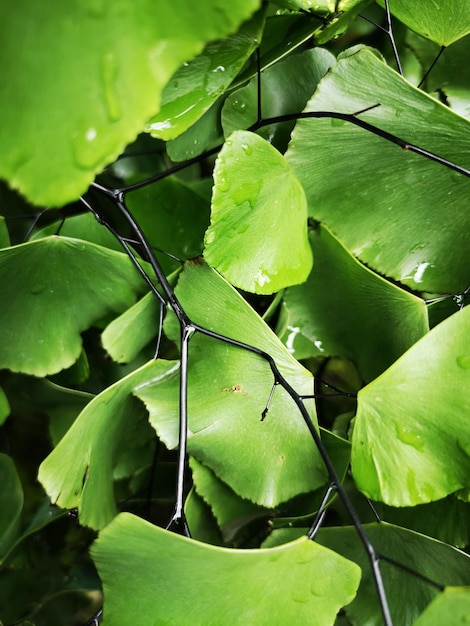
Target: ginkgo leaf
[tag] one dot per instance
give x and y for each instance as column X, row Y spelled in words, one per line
column 346, row 310
column 443, row 23
column 407, row 595
column 59, row 288
column 257, row 238
column 267, row 461
column 198, row 83
column 364, row 188
column 411, row 437
column 62, row 122
column 79, row 471
column 145, row 570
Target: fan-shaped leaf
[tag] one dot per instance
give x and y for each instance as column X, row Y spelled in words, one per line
column 220, row 586
column 411, row 438
column 267, row 461
column 58, row 131
column 346, row 310
column 258, row 234
column 58, row 289
column 79, row 471
column 366, row 189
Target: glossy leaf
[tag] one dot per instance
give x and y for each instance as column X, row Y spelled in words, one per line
column 452, row 606
column 285, row 89
column 346, row 310
column 411, row 438
column 11, row 503
column 221, row 585
column 364, row 189
column 57, row 133
column 79, row 471
column 61, row 287
column 257, row 238
column 442, row 23
column 198, row 84
column 267, row 461
column 407, row 595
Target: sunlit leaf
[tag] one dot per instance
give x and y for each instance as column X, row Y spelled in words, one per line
column 442, row 22
column 452, row 606
column 220, row 585
column 411, row 438
column 59, row 288
column 346, row 310
column 408, row 595
column 267, row 461
column 4, row 407
column 258, row 234
column 365, row 189
column 79, row 471
column 198, row 84
column 62, row 122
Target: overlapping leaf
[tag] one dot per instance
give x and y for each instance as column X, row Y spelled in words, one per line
column 346, row 310
column 257, row 238
column 79, row 471
column 366, row 189
column 220, row 586
column 11, row 503
column 198, row 84
column 443, row 23
column 407, row 595
column 267, row 461
column 62, row 122
column 452, row 606
column 411, row 438
column 59, row 288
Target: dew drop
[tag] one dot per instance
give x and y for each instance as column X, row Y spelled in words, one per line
column 109, row 71
column 247, row 149
column 210, row 237
column 37, row 289
column 410, row 436
column 463, row 361
column 223, row 184
column 219, row 68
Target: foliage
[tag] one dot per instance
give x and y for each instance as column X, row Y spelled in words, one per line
column 233, row 269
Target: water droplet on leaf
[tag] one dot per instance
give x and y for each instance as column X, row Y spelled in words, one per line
column 109, row 70
column 463, row 361
column 410, row 436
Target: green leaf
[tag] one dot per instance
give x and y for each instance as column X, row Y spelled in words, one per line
column 321, row 6
column 443, row 23
column 285, row 89
column 58, row 132
column 198, row 84
column 258, row 234
column 346, row 310
column 407, row 595
column 364, row 189
column 84, row 227
column 452, row 606
column 230, row 511
column 411, row 438
column 4, row 407
column 266, row 461
column 125, row 337
column 79, row 471
column 175, row 217
column 450, row 74
column 60, row 287
column 11, row 503
column 221, row 586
